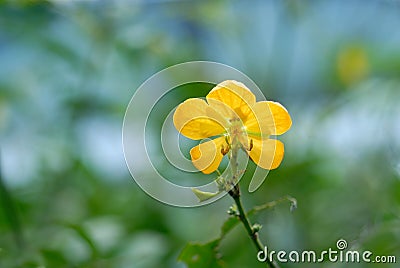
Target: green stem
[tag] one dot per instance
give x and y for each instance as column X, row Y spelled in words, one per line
column 235, row 193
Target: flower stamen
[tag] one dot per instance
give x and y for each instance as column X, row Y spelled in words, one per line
column 227, row 139
column 225, row 150
column 251, row 145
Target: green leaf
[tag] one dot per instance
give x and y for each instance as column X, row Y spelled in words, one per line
column 201, row 255
column 272, row 204
column 228, row 225
column 53, row 258
column 10, row 211
column 203, row 196
column 197, row 255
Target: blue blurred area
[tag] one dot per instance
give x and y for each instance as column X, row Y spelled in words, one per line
column 69, row 68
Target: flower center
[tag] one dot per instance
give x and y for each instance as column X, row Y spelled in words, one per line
column 236, row 129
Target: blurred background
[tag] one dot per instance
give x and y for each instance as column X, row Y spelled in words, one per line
column 69, row 68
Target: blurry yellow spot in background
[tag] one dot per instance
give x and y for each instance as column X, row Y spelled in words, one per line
column 352, row 64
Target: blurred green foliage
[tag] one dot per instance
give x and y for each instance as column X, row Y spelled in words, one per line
column 69, row 68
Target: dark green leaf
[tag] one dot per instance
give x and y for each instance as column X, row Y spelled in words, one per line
column 53, row 258
column 228, row 225
column 201, row 255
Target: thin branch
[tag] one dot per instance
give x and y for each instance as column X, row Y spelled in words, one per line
column 235, row 193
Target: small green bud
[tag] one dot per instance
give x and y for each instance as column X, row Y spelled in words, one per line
column 233, row 211
column 256, row 227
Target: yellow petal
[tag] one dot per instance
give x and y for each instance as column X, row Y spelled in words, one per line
column 231, row 99
column 207, row 156
column 195, row 119
column 268, row 118
column 260, row 122
column 282, row 120
column 267, row 154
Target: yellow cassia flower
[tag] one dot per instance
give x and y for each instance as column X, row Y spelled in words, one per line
column 230, row 117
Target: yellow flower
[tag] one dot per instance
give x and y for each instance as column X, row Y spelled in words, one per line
column 352, row 64
column 232, row 117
